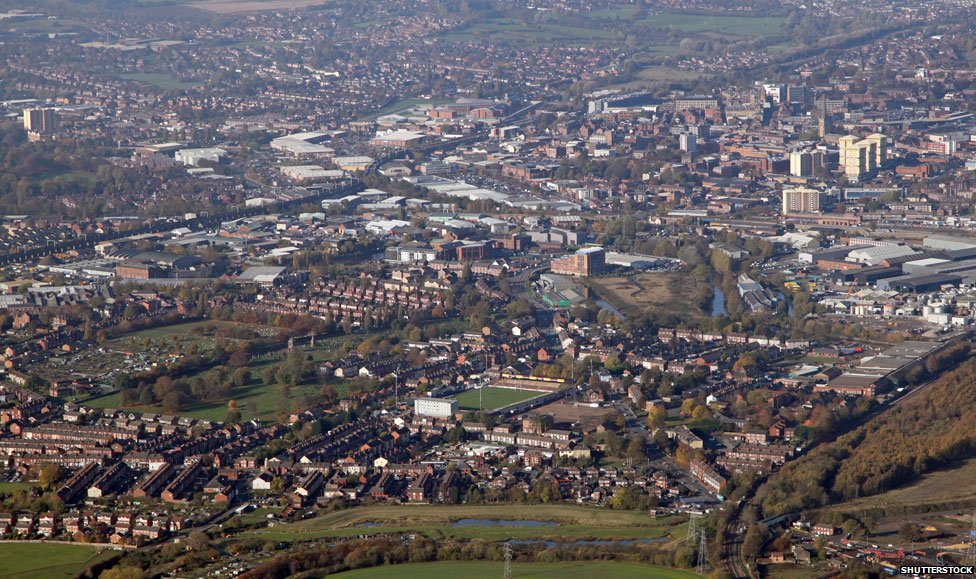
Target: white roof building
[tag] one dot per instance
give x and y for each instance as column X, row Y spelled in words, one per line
column 194, row 157
column 875, row 255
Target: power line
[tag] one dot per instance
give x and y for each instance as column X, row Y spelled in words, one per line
column 702, row 552
column 971, row 550
column 692, row 529
column 508, row 560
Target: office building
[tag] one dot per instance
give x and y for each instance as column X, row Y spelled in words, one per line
column 585, row 262
column 800, row 200
column 797, row 94
column 695, row 102
column 40, row 121
column 774, row 92
column 801, row 164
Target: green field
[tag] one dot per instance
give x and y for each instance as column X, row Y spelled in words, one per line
column 734, row 25
column 435, row 521
column 82, row 178
column 602, row 25
column 47, row 560
column 491, row 570
column 12, row 487
column 658, row 74
column 257, row 400
column 159, row 80
column 492, row 398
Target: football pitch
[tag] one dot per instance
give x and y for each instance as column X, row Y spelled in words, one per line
column 493, row 397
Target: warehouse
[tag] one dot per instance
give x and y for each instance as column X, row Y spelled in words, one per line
column 919, row 283
column 398, row 139
column 950, row 242
column 864, row 276
column 874, row 255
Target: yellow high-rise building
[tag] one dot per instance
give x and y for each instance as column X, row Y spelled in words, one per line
column 861, row 158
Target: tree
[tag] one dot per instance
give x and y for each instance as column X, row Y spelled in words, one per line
column 198, row 541
column 239, row 358
column 173, row 402
column 908, row 532
column 754, row 539
column 656, row 416
column 636, row 449
column 50, row 475
column 277, row 484
column 162, row 387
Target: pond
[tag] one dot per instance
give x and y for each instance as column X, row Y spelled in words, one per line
column 718, row 303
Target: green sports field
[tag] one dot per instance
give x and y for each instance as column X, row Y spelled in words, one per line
column 47, row 560
column 571, row 522
column 492, row 397
column 491, row 570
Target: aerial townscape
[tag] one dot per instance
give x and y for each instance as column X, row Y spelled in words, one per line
column 487, row 288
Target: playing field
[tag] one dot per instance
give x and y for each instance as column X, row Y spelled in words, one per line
column 235, row 6
column 47, row 560
column 491, row 570
column 159, row 80
column 493, row 398
column 524, row 522
column 725, row 24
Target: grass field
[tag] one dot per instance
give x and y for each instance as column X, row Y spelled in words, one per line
column 491, row 570
column 12, row 487
column 159, row 80
column 47, row 560
column 492, row 398
column 258, row 399
column 657, row 74
column 734, row 25
column 502, row 29
column 435, row 521
column 83, row 178
column 235, row 6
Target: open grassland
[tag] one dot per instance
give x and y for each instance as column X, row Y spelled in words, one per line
column 235, row 6
column 725, row 24
column 490, row 570
column 674, row 293
column 570, row 522
column 159, row 80
column 12, row 487
column 47, row 560
column 492, row 398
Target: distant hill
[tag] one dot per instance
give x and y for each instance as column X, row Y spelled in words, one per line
column 927, row 432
